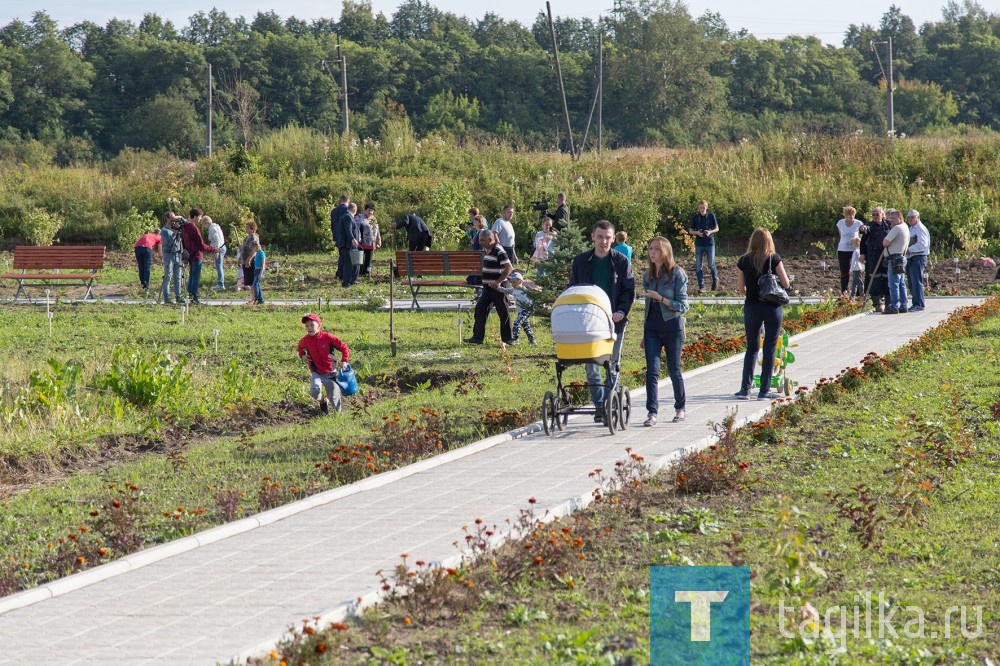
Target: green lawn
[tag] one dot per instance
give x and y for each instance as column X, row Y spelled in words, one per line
column 878, row 485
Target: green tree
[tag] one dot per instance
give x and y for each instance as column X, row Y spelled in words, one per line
column 46, row 78
column 571, row 241
column 920, row 107
column 658, row 80
column 163, row 123
column 448, row 113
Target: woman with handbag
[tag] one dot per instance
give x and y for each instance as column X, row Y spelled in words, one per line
column 665, row 288
column 761, row 272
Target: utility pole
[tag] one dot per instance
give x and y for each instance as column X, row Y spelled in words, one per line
column 889, row 87
column 600, row 90
column 341, row 60
column 888, row 83
column 590, row 116
column 343, row 88
column 208, row 130
column 562, row 86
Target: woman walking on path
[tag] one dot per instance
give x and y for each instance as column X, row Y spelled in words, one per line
column 847, row 228
column 759, row 259
column 664, row 286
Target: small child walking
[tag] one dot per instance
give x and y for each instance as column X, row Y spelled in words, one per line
column 525, row 305
column 857, row 266
column 258, row 259
column 316, row 349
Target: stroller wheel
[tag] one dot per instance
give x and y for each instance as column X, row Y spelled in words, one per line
column 787, row 386
column 613, row 412
column 549, row 414
column 562, row 402
column 626, row 401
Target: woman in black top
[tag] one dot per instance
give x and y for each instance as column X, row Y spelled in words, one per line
column 760, row 258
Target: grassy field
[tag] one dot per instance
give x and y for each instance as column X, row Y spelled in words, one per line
column 878, row 489
column 139, row 396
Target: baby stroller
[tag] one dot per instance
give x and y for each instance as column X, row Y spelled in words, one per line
column 584, row 332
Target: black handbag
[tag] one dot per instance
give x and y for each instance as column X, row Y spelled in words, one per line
column 768, row 288
column 897, row 264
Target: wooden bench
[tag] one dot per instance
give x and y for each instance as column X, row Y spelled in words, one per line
column 424, row 270
column 54, row 259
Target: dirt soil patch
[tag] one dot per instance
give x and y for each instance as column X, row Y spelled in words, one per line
column 19, row 473
column 817, row 276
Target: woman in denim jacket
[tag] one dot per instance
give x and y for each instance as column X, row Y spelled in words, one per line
column 665, row 288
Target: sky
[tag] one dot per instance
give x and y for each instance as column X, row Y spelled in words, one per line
column 764, row 18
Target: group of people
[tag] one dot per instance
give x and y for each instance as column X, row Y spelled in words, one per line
column 354, row 234
column 891, row 254
column 180, row 243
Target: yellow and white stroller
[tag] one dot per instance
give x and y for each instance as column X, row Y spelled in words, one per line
column 584, row 332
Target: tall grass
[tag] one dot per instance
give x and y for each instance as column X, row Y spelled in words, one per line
column 793, row 184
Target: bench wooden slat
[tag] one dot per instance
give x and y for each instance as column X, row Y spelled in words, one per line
column 68, row 256
column 51, row 258
column 50, row 276
column 420, row 265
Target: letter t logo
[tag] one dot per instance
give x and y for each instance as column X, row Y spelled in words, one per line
column 701, row 610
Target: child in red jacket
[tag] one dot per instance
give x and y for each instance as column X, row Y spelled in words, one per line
column 316, row 349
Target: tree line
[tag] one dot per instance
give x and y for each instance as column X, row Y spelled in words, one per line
column 84, row 92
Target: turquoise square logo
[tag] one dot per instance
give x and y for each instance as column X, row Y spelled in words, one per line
column 699, row 616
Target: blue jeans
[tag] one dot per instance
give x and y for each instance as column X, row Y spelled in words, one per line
column 700, row 252
column 897, row 290
column 144, row 257
column 194, row 278
column 593, row 371
column 755, row 315
column 672, row 341
column 258, row 292
column 915, row 274
column 172, row 272
column 219, row 256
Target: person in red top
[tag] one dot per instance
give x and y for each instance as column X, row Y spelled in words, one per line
column 316, row 349
column 144, row 255
column 195, row 246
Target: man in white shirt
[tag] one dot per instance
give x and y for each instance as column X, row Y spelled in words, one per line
column 916, row 258
column 505, row 232
column 216, row 238
column 895, row 244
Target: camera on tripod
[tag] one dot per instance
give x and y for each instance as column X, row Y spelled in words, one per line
column 541, row 205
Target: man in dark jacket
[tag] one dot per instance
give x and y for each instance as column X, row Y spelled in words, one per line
column 872, row 235
column 418, row 235
column 611, row 271
column 349, row 239
column 560, row 216
column 336, row 215
column 195, row 246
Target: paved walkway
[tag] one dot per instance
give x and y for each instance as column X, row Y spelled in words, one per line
column 244, row 587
